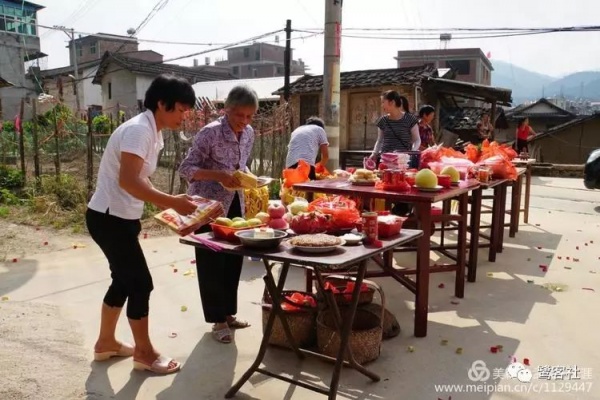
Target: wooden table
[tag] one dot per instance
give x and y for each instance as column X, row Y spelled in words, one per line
column 496, row 227
column 339, row 260
column 423, row 202
column 528, row 166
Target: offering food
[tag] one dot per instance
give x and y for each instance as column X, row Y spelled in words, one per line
column 426, row 179
column 318, row 240
column 264, row 233
column 247, row 181
column 310, row 222
column 452, row 172
column 363, row 175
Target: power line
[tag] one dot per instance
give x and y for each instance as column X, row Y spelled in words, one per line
column 502, row 29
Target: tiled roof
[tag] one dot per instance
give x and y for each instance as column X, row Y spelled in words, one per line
column 365, row 78
column 69, row 69
column 4, row 83
column 465, row 119
column 192, row 74
column 562, row 127
column 522, row 111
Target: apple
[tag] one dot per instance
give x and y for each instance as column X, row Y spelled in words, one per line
column 425, row 178
column 278, row 223
column 288, row 217
column 452, row 172
column 263, row 216
column 298, row 206
column 223, row 221
column 276, row 210
column 254, row 222
column 240, row 224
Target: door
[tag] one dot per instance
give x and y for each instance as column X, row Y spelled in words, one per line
column 365, row 109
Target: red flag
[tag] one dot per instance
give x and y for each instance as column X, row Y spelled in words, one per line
column 489, row 54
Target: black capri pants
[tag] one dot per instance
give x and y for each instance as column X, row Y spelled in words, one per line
column 131, row 279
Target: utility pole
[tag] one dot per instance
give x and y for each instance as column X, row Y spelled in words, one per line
column 287, row 60
column 331, row 78
column 76, row 73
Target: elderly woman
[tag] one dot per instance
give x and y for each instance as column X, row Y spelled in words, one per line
column 113, row 219
column 218, row 150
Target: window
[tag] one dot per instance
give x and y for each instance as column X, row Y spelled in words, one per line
column 236, row 71
column 462, row 67
column 79, row 50
column 11, row 25
column 109, row 90
column 257, row 55
column 93, row 48
column 2, row 23
column 246, row 52
column 17, row 20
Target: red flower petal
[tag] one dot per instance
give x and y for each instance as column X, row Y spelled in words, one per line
column 15, row 260
column 526, row 361
column 441, row 286
column 587, row 288
column 494, row 349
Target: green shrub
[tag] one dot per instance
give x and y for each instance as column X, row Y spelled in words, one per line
column 69, row 193
column 4, row 211
column 9, row 198
column 10, row 178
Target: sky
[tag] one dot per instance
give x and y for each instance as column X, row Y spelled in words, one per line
column 227, row 21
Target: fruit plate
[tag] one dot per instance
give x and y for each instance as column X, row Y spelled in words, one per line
column 248, row 240
column 433, row 189
column 318, row 250
column 228, row 233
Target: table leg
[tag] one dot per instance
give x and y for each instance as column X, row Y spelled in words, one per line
column 308, row 275
column 515, row 206
column 527, row 192
column 495, row 228
column 502, row 217
column 474, row 234
column 276, row 311
column 446, row 209
column 423, row 211
column 463, row 210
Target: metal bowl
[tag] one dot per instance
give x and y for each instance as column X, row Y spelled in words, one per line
column 247, row 238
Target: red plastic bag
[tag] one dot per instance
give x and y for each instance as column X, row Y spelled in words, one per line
column 343, row 211
column 291, row 176
column 321, row 170
column 430, row 154
column 501, row 167
column 472, row 153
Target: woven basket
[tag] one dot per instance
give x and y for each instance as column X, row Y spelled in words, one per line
column 365, row 339
column 302, row 323
column 391, row 327
column 344, row 300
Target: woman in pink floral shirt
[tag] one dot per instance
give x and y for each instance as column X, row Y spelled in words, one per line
column 218, row 150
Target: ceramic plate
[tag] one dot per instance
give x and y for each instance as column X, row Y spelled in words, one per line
column 434, row 189
column 318, row 250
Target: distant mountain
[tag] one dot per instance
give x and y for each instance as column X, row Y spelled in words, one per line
column 525, row 84
column 528, row 85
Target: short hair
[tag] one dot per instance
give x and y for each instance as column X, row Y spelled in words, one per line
column 169, row 89
column 426, row 110
column 242, row 96
column 315, row 121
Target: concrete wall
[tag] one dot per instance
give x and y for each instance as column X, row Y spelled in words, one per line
column 102, row 46
column 124, row 90
column 142, row 84
column 571, row 146
column 13, row 48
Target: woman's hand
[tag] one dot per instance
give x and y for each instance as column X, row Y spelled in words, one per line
column 226, row 179
column 183, row 204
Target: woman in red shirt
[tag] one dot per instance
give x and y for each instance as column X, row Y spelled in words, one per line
column 523, row 133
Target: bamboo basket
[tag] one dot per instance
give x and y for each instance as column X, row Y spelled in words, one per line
column 302, row 323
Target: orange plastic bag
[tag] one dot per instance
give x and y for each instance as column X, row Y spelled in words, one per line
column 472, row 153
column 343, row 211
column 501, row 167
column 321, row 170
column 292, row 176
column 449, row 152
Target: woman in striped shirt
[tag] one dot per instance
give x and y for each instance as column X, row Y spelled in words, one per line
column 398, row 130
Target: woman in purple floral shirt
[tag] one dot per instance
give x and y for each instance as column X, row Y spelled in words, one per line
column 219, row 149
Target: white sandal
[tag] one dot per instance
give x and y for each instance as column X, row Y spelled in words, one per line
column 221, row 335
column 159, row 366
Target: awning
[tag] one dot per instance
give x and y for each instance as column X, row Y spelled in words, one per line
column 469, row 90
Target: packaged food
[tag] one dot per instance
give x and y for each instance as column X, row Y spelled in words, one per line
column 206, row 211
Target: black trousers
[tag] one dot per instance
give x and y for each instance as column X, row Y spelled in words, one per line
column 521, row 145
column 131, row 279
column 312, row 175
column 219, row 276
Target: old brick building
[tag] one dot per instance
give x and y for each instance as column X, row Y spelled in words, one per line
column 92, row 47
column 470, row 64
column 259, row 60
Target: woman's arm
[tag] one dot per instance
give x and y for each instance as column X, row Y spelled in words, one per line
column 378, row 144
column 132, row 183
column 416, row 138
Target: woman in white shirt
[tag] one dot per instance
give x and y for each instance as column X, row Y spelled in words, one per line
column 113, row 219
